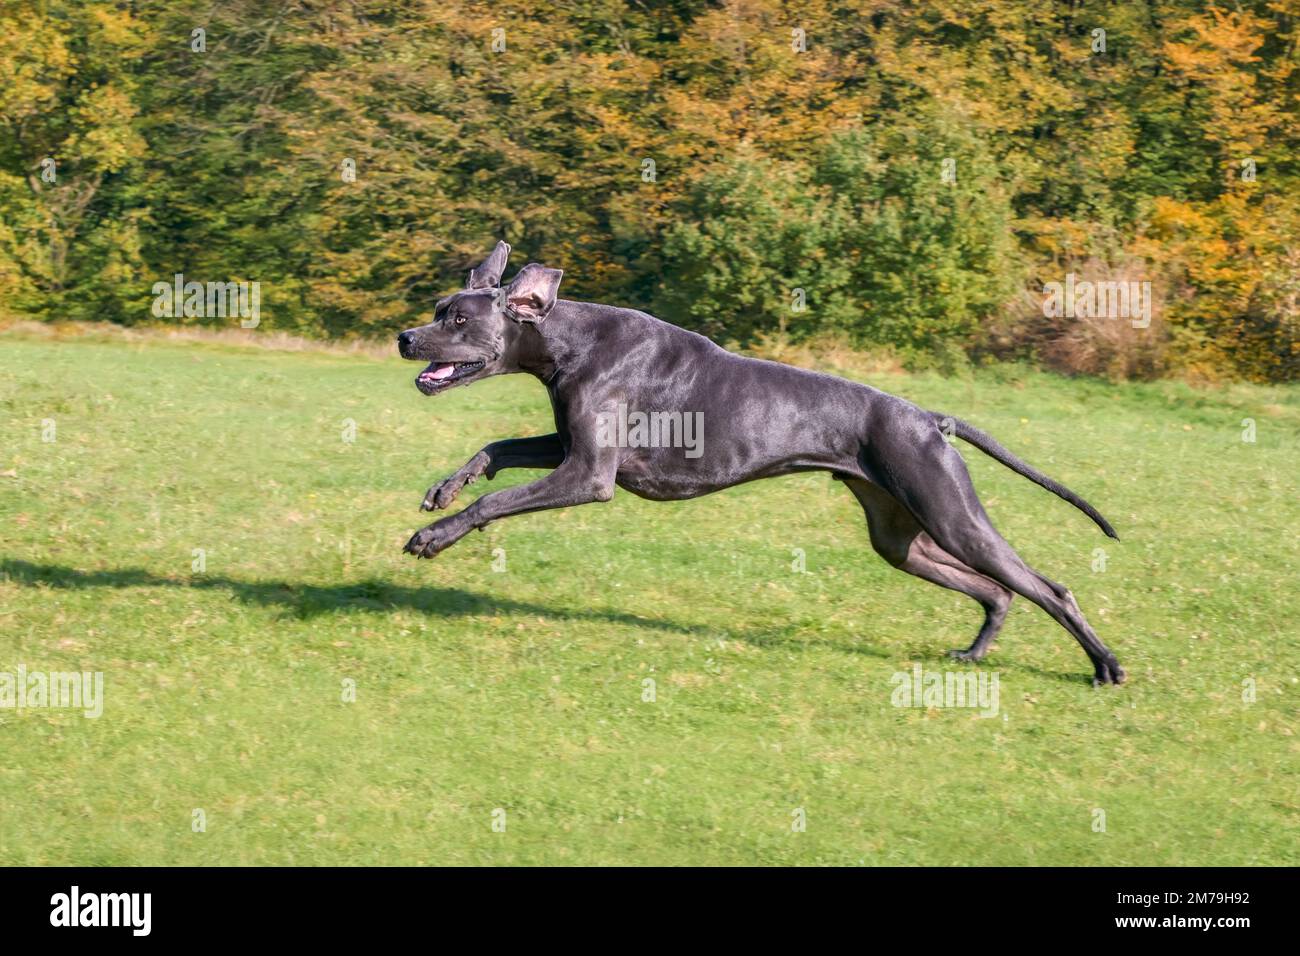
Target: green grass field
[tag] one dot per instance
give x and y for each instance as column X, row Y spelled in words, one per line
column 478, row 689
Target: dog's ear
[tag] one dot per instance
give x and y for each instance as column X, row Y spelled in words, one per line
column 488, row 273
column 531, row 293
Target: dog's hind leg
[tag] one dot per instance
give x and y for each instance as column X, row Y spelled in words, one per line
column 900, row 540
column 934, row 486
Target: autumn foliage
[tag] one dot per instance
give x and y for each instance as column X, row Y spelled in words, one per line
column 896, row 174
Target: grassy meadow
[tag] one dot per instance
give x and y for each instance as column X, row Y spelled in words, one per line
column 509, row 673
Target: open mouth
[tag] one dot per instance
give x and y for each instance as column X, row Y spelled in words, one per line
column 440, row 375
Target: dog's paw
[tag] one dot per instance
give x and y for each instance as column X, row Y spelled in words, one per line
column 427, row 542
column 1108, row 672
column 444, row 492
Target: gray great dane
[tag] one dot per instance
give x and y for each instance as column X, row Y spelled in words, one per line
column 763, row 419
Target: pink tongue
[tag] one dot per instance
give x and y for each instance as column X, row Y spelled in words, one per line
column 442, row 371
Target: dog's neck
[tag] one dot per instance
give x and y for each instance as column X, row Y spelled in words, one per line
column 540, row 349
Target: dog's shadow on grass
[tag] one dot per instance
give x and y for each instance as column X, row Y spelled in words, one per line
column 310, row 600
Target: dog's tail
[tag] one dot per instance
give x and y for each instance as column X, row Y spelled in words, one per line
column 991, row 447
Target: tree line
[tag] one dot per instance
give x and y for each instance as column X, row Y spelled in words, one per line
column 901, row 174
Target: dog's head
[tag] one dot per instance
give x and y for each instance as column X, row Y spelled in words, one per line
column 476, row 332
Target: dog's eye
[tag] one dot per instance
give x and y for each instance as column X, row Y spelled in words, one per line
column 460, row 320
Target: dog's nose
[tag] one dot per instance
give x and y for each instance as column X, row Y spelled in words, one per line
column 404, row 341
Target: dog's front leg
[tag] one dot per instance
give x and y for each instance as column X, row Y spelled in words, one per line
column 544, row 451
column 576, row 482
